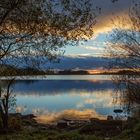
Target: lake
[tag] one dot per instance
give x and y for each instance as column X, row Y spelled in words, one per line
column 65, row 96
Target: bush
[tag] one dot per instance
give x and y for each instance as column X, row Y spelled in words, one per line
column 15, row 123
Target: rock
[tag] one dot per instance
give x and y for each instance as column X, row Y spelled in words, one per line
column 62, row 124
column 43, row 128
column 107, row 138
column 30, row 116
column 109, row 117
column 15, row 114
column 118, row 111
column 93, row 120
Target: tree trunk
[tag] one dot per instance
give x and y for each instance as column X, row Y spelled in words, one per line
column 5, row 122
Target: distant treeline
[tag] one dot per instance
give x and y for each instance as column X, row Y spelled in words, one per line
column 7, row 70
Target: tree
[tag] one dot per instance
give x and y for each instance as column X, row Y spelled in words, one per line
column 124, row 49
column 30, row 27
column 34, row 31
column 22, row 32
column 6, row 101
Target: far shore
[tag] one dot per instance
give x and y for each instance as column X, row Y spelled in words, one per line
column 69, row 72
column 7, row 70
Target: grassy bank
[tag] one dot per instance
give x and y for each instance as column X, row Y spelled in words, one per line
column 26, row 128
column 38, row 134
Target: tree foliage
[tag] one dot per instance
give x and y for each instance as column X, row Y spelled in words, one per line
column 125, row 42
column 6, row 101
column 41, row 28
column 34, row 31
column 124, row 49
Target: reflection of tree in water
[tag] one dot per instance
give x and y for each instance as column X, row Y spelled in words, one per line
column 125, row 49
column 129, row 93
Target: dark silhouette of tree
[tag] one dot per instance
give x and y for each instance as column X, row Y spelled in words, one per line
column 36, row 28
column 124, row 50
column 6, row 102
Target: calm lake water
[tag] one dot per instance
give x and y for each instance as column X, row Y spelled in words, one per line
column 71, row 97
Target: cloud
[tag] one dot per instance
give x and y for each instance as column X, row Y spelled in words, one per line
column 109, row 11
column 20, row 109
column 94, row 48
column 81, row 55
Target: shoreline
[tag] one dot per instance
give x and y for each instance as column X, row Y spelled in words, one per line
column 24, row 127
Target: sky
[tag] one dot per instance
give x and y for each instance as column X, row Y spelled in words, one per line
column 87, row 55
column 95, row 46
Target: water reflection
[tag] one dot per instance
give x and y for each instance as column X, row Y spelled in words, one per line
column 70, row 114
column 42, row 87
column 51, row 100
column 129, row 87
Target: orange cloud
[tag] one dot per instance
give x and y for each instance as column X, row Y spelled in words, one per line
column 106, row 24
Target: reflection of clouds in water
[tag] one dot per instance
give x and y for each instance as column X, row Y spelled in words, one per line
column 69, row 114
column 80, row 105
column 43, row 97
column 82, row 93
column 89, row 101
column 83, row 100
column 98, row 99
column 21, row 109
column 38, row 111
column 35, row 111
